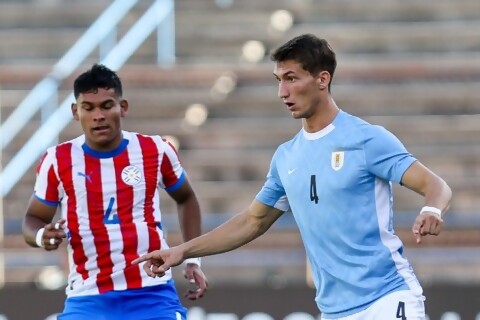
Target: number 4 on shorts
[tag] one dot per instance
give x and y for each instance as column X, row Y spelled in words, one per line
column 401, row 311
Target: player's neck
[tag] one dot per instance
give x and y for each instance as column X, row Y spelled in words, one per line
column 324, row 116
column 105, row 146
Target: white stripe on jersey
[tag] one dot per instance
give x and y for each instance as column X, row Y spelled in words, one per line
column 392, row 242
column 111, row 216
column 88, row 245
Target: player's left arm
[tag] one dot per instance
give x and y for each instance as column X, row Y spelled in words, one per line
column 190, row 224
column 188, row 210
column 437, row 196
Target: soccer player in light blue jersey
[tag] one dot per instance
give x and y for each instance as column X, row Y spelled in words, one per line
column 336, row 177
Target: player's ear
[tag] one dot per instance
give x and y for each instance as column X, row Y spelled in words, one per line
column 74, row 111
column 123, row 107
column 323, row 79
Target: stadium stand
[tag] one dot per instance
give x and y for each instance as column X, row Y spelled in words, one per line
column 412, row 66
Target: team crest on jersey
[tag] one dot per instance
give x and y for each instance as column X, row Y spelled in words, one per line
column 131, row 175
column 338, row 158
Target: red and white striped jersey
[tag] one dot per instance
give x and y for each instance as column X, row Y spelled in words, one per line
column 111, row 203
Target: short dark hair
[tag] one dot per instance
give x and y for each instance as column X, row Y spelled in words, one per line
column 99, row 76
column 313, row 53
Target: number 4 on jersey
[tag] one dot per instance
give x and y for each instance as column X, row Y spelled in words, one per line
column 313, row 189
column 401, row 311
column 110, row 218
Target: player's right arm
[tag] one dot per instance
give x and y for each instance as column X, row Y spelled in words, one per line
column 42, row 207
column 239, row 230
column 39, row 215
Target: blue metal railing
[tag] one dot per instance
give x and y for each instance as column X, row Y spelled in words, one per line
column 40, row 94
column 158, row 15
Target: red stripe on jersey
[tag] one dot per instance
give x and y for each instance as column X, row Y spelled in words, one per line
column 96, row 213
column 128, row 229
column 150, row 169
column 166, row 169
column 52, row 186
column 64, row 161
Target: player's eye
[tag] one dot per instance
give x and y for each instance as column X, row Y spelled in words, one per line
column 109, row 105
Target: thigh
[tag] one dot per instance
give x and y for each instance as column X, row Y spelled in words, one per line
column 399, row 305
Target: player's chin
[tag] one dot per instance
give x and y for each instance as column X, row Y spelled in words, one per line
column 296, row 115
column 101, row 140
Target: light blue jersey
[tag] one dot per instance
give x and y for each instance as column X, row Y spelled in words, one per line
column 337, row 184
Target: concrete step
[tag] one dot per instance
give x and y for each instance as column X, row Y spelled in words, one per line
column 384, row 11
column 77, row 12
column 218, row 40
column 49, row 14
column 369, row 37
column 348, row 10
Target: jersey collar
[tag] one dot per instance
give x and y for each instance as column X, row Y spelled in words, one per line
column 105, row 154
column 322, row 133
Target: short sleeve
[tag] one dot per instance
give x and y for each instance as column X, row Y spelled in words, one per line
column 47, row 184
column 385, row 155
column 172, row 172
column 272, row 193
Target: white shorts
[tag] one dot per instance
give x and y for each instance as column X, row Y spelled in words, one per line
column 398, row 305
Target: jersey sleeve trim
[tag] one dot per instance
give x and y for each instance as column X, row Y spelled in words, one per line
column 48, row 203
column 281, row 203
column 177, row 184
column 406, row 165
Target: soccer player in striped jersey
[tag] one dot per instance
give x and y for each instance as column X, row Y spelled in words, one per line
column 335, row 176
column 106, row 183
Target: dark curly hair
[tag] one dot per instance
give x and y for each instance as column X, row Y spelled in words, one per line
column 99, row 76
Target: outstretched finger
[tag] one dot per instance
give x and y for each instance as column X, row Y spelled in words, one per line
column 143, row 258
column 417, row 226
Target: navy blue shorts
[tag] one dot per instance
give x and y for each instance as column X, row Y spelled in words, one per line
column 151, row 303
